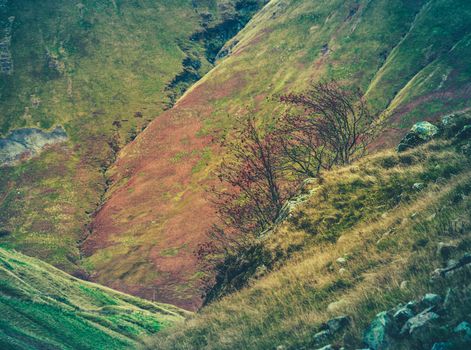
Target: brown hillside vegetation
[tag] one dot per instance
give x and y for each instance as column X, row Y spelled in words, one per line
column 142, row 240
column 351, row 243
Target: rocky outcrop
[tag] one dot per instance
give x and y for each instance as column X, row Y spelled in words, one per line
column 429, row 323
column 420, row 133
column 215, row 37
column 453, row 267
column 379, row 334
column 213, row 41
column 330, row 329
column 26, row 143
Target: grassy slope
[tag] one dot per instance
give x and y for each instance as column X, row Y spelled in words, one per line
column 43, row 307
column 367, row 213
column 84, row 65
column 156, row 212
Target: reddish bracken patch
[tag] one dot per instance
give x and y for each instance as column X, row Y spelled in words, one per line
column 156, row 213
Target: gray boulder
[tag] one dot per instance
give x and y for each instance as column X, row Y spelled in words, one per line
column 378, row 334
column 420, row 133
column 327, row 347
column 418, row 186
column 321, row 337
column 403, row 314
column 442, row 346
column 337, row 324
column 445, row 249
column 464, row 331
column 23, row 143
column 422, row 326
column 430, row 300
column 465, row 133
column 448, row 271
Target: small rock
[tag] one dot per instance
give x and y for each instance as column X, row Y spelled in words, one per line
column 451, row 298
column 342, row 271
column 403, row 314
column 418, row 186
column 378, row 334
column 404, row 285
column 445, row 250
column 321, row 337
column 425, row 130
column 327, row 347
column 337, row 305
column 440, row 180
column 442, row 346
column 465, row 261
column 451, row 263
column 341, row 261
column 464, row 330
column 422, row 326
column 448, row 121
column 336, row 324
column 431, row 299
column 413, row 305
column 260, row 271
column 421, row 132
column 465, row 133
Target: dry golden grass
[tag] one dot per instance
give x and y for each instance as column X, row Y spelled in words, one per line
column 389, row 243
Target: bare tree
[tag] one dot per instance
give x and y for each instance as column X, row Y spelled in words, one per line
column 255, row 181
column 330, row 125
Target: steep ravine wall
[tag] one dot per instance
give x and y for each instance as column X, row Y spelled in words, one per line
column 179, row 282
column 99, row 69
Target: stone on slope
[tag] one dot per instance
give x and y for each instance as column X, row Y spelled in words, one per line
column 327, row 347
column 464, row 330
column 465, row 133
column 321, row 337
column 337, row 324
column 431, row 299
column 445, row 249
column 420, row 133
column 28, row 142
column 403, row 314
column 442, row 346
column 453, row 267
column 422, row 326
column 378, row 334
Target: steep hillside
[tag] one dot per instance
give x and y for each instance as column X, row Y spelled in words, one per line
column 44, row 308
column 102, row 70
column 412, row 58
column 388, row 236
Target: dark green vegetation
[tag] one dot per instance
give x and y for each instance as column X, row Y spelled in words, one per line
column 45, row 308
